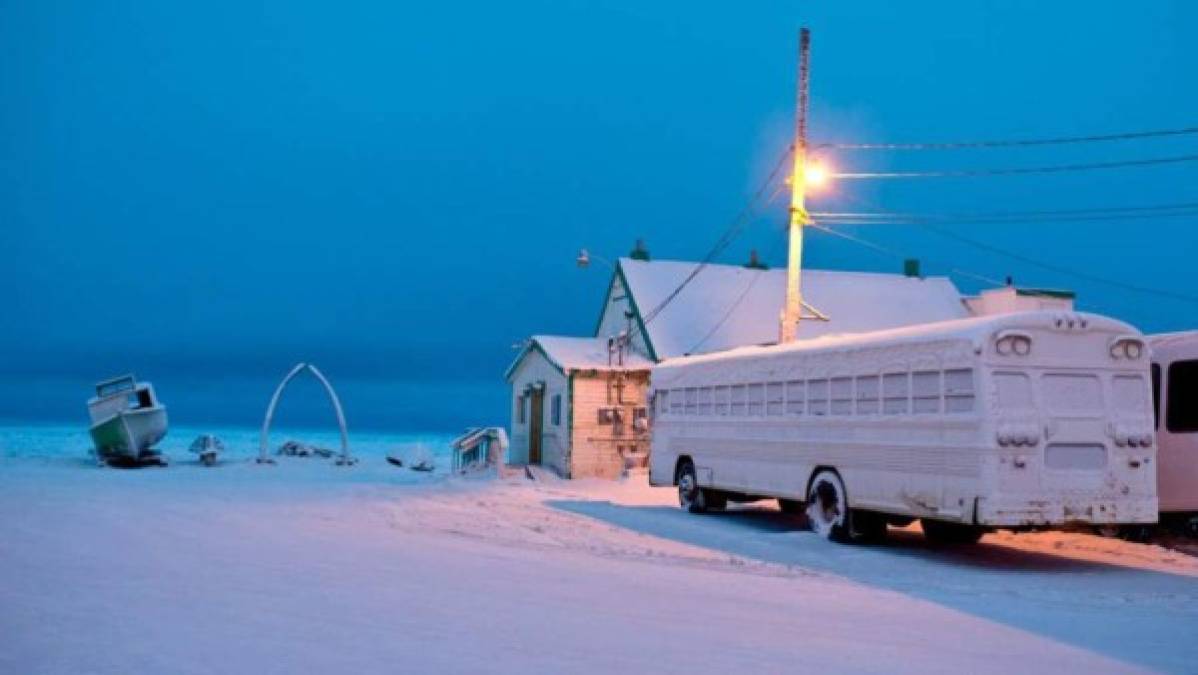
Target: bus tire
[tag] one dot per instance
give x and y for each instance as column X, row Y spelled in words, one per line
column 941, row 532
column 828, row 508
column 692, row 497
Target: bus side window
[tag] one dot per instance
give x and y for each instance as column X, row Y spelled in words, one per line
column 738, row 400
column 842, row 396
column 756, row 400
column 817, row 397
column 795, row 397
column 704, row 407
column 1156, row 396
column 925, row 389
column 720, row 402
column 896, row 394
column 1181, row 401
column 773, row 399
column 867, row 395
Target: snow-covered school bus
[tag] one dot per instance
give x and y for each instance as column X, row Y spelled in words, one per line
column 1175, row 399
column 1015, row 421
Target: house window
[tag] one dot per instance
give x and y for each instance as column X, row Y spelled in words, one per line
column 842, row 396
column 520, row 414
column 958, row 390
column 756, row 400
column 817, row 397
column 896, row 394
column 867, row 395
column 605, row 416
column 925, row 392
column 774, row 394
column 557, row 410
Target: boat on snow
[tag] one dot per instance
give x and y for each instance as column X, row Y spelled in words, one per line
column 126, row 421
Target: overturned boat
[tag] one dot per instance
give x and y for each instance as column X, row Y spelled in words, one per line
column 126, row 421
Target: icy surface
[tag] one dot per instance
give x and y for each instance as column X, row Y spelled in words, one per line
column 729, row 306
column 308, row 567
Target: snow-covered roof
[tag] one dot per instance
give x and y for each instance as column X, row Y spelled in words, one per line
column 570, row 354
column 728, row 306
column 975, row 329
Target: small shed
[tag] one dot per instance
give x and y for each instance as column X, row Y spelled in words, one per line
column 579, row 406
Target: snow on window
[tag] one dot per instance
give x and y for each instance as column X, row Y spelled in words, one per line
column 958, row 390
column 867, row 395
column 925, row 392
column 896, row 393
column 795, row 397
column 704, row 405
column 719, row 402
column 676, row 401
column 773, row 399
column 1014, row 391
column 756, row 400
column 817, row 397
column 692, row 400
column 738, row 400
column 842, row 396
column 1072, row 393
column 663, row 401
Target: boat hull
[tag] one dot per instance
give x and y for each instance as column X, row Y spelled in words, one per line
column 129, row 434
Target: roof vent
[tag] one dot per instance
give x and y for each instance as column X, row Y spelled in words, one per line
column 911, row 268
column 754, row 262
column 639, row 252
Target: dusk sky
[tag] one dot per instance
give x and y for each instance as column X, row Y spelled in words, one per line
column 399, row 191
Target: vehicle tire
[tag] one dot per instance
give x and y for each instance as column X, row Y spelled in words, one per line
column 692, row 497
column 828, row 508
column 940, row 532
column 790, row 507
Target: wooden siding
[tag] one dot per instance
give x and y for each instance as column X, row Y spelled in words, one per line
column 555, row 448
column 596, row 448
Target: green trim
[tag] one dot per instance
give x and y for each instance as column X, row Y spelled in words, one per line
column 1047, row 292
column 570, row 425
column 531, row 346
column 636, row 312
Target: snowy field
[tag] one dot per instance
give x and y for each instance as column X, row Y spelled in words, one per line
column 308, row 567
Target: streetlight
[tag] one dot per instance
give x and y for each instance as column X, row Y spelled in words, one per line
column 584, row 259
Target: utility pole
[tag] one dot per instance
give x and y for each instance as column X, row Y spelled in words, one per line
column 792, row 312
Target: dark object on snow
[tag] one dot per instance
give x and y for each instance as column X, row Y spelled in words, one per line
column 391, row 459
column 423, row 465
column 298, row 449
column 146, row 458
column 528, row 474
column 208, row 447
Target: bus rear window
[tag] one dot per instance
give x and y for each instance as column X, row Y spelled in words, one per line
column 1181, row 399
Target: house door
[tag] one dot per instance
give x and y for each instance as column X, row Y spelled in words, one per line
column 536, row 425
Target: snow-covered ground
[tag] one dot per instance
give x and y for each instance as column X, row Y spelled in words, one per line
column 308, row 567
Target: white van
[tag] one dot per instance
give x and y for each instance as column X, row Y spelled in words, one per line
column 1175, row 398
column 1018, row 421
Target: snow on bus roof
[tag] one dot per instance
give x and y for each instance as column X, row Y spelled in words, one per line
column 578, row 353
column 971, row 328
column 729, row 306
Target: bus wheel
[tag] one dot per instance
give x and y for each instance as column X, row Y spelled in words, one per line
column 827, row 507
column 940, row 532
column 692, row 497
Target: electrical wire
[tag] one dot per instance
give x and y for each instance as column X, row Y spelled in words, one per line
column 732, row 308
column 734, row 230
column 1060, row 270
column 1162, row 210
column 899, row 254
column 1059, row 168
column 955, row 145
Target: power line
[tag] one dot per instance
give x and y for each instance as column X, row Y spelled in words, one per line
column 734, row 229
column 899, row 254
column 1164, row 210
column 841, row 220
column 1061, row 270
column 739, row 299
column 955, row 145
column 1059, row 168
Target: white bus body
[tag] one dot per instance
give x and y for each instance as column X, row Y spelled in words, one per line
column 1012, row 421
column 1175, row 393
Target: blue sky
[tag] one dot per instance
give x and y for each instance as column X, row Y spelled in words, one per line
column 398, row 189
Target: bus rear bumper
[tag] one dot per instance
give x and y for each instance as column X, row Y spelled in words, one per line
column 1016, row 513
